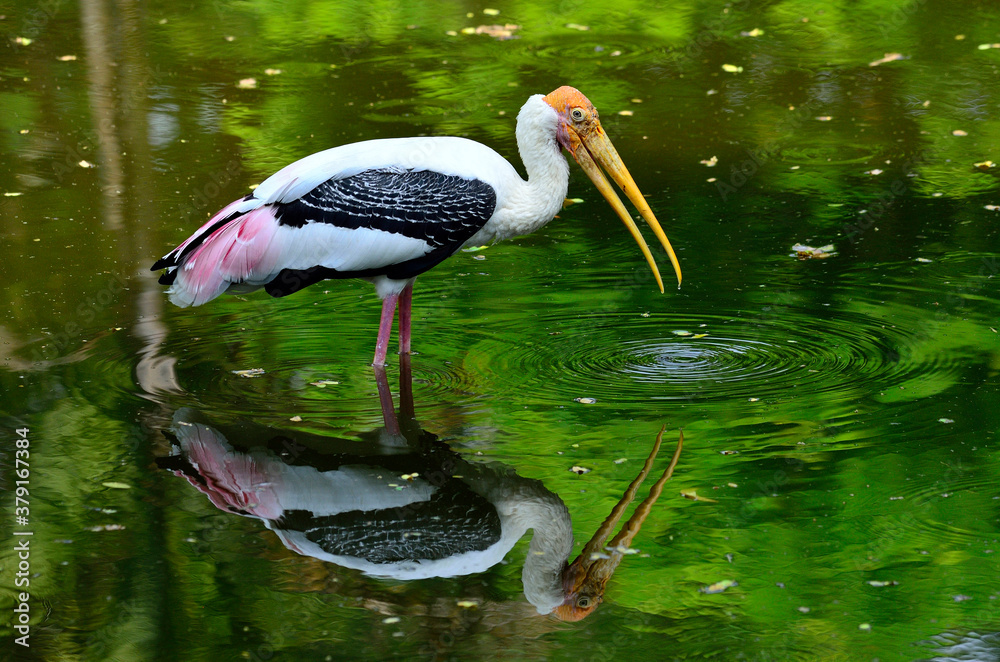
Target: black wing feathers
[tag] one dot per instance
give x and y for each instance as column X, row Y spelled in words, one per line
column 442, row 210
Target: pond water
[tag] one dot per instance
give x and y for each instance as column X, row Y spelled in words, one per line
column 836, row 495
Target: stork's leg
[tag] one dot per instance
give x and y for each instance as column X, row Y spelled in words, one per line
column 385, row 399
column 385, row 328
column 406, row 411
column 405, row 299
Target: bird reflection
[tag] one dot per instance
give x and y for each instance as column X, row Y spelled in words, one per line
column 405, row 506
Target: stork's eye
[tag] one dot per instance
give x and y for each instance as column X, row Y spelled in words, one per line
column 577, row 114
column 583, row 602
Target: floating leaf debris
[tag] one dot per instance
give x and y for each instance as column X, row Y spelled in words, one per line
column 804, row 252
column 718, row 587
column 888, row 57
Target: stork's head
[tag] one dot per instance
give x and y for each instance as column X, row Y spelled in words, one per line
column 581, row 134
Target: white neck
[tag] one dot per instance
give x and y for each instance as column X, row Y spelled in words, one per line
column 527, row 504
column 529, row 205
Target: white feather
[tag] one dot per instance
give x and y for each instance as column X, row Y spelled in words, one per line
column 447, row 155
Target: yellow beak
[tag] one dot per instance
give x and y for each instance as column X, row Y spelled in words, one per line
column 586, row 578
column 595, row 149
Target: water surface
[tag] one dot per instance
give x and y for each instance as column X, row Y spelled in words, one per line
column 840, row 414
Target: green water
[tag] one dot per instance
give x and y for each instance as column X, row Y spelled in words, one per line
column 840, row 413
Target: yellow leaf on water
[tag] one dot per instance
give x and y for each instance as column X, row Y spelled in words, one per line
column 491, row 12
column 117, row 486
column 804, row 252
column 888, row 57
column 577, row 26
column 501, row 32
column 718, row 587
column 732, row 68
column 693, row 496
column 247, row 83
column 323, row 383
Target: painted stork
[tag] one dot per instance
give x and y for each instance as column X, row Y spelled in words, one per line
column 388, row 210
column 407, row 507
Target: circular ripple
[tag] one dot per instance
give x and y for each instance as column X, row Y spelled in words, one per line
column 566, row 333
column 718, row 359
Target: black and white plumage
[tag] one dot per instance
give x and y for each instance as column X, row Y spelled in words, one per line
column 442, row 211
column 446, row 518
column 388, row 210
column 406, row 506
column 453, row 520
